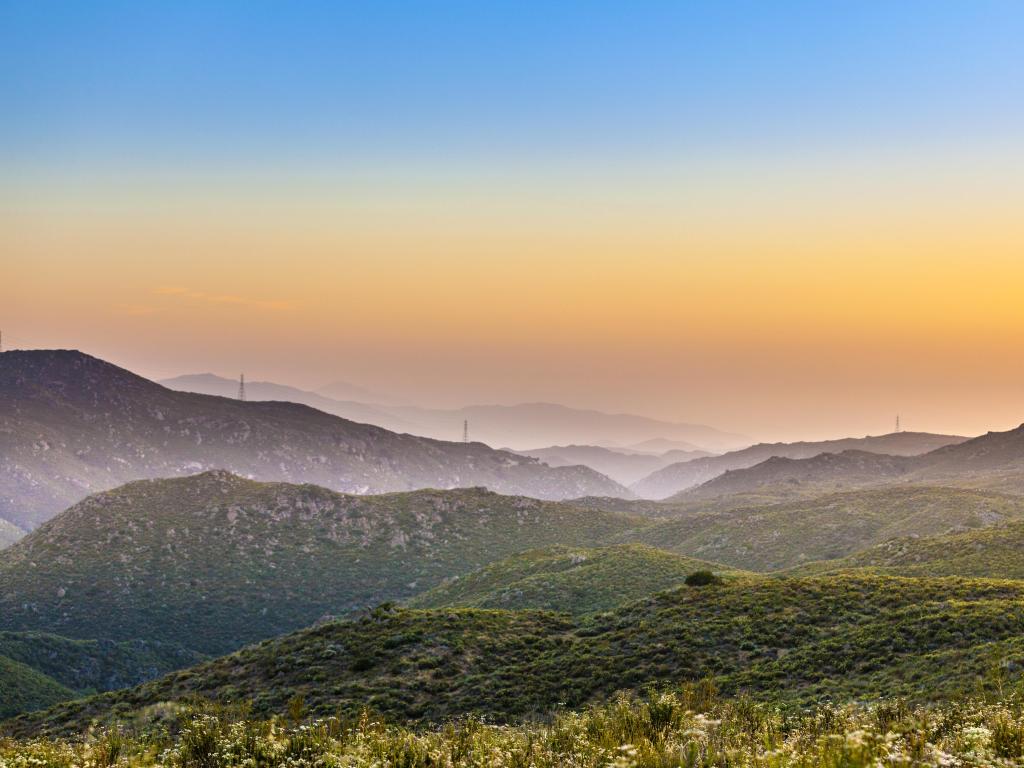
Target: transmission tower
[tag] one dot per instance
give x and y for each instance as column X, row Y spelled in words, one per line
column 241, row 387
column 465, row 431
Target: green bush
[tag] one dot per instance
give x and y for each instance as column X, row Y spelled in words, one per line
column 702, row 579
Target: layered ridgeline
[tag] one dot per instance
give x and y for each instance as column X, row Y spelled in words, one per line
column 213, row 561
column 622, row 466
column 773, row 536
column 340, row 403
column 522, row 425
column 689, row 474
column 994, row 461
column 797, row 640
column 71, row 424
column 568, row 580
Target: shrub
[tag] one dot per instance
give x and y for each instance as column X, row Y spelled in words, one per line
column 702, row 579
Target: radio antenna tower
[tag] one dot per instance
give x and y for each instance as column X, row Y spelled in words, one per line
column 465, row 431
column 241, row 387
column 897, row 422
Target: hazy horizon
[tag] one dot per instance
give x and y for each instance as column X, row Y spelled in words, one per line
column 785, row 225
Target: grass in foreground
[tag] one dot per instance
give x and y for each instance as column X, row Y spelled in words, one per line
column 684, row 728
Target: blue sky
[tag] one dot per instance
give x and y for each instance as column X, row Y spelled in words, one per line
column 783, row 218
column 251, row 82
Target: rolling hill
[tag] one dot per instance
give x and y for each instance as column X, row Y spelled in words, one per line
column 774, row 536
column 214, row 561
column 71, row 424
column 38, row 670
column 994, row 552
column 566, row 580
column 688, row 474
column 791, row 640
column 23, row 689
column 89, row 666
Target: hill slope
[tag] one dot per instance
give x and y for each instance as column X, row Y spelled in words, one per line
column 214, row 561
column 688, row 474
column 994, row 460
column 566, row 580
column 789, row 639
column 23, row 689
column 826, row 472
column 88, row 666
column 71, row 424
column 781, row 535
column 995, row 552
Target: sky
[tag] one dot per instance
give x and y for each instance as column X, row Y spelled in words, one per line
column 789, row 220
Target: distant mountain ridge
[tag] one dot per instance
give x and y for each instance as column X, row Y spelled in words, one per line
column 678, row 477
column 994, row 461
column 521, row 426
column 71, row 424
column 365, row 413
column 621, row 467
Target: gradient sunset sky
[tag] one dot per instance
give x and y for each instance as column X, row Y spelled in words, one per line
column 785, row 219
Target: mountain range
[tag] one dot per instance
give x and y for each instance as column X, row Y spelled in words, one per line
column 521, row 426
column 71, row 424
column 622, row 467
column 993, row 461
column 681, row 476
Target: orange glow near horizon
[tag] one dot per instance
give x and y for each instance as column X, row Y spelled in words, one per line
column 780, row 300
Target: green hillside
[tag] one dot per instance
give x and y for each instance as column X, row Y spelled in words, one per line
column 792, row 640
column 995, row 552
column 213, row 561
column 784, row 535
column 88, row 666
column 23, row 689
column 563, row 579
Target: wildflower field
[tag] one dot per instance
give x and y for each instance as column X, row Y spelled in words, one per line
column 688, row 727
